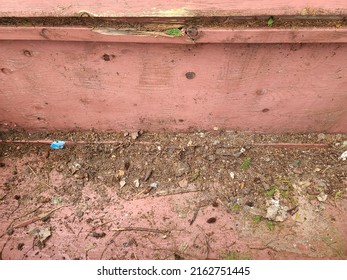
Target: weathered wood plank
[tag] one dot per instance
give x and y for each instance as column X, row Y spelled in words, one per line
column 208, row 35
column 174, row 8
column 48, row 85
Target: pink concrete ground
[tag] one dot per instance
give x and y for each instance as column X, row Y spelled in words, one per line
column 87, row 229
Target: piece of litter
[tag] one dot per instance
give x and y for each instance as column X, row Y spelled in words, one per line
column 57, row 200
column 343, row 156
column 154, row 185
column 322, row 197
column 58, row 145
column 232, row 175
column 41, row 234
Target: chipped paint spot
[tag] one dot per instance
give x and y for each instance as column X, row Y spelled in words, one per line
column 174, row 13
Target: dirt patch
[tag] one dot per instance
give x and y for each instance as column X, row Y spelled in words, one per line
column 199, row 195
column 162, row 25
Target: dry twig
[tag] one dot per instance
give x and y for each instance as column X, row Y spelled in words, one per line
column 140, row 229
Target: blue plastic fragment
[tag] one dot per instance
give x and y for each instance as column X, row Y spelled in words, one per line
column 58, row 145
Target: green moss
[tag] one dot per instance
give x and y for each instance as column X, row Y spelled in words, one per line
column 270, row 225
column 257, row 219
column 245, row 164
column 338, row 194
column 235, row 255
column 174, row 32
column 271, row 191
column 235, row 207
column 196, row 175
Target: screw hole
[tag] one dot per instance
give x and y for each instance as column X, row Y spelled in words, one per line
column 106, row 57
column 27, row 53
column 266, row 110
column 190, row 75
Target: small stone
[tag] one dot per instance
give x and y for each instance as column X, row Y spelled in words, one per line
column 211, row 220
column 232, row 175
column 343, row 156
column 344, row 144
column 183, row 183
column 135, row 135
column 120, row 174
column 212, row 158
column 182, row 169
column 215, row 128
column 276, row 212
column 282, row 215
column 137, row 183
column 80, row 182
column 216, row 142
column 122, row 183
column 74, row 167
column 126, row 134
column 238, row 154
column 57, row 200
column 321, row 136
column 126, row 164
column 271, row 212
column 10, row 231
column 20, row 246
column 98, row 234
column 154, row 185
column 79, row 213
column 322, row 197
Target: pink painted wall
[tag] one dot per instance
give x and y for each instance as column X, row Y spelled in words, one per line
column 178, row 8
column 125, row 86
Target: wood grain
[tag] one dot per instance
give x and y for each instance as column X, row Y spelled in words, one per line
column 49, row 85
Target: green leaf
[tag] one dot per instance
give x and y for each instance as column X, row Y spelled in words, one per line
column 196, row 175
column 246, row 163
column 271, row 225
column 270, row 21
column 270, row 193
column 235, row 207
column 174, row 32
